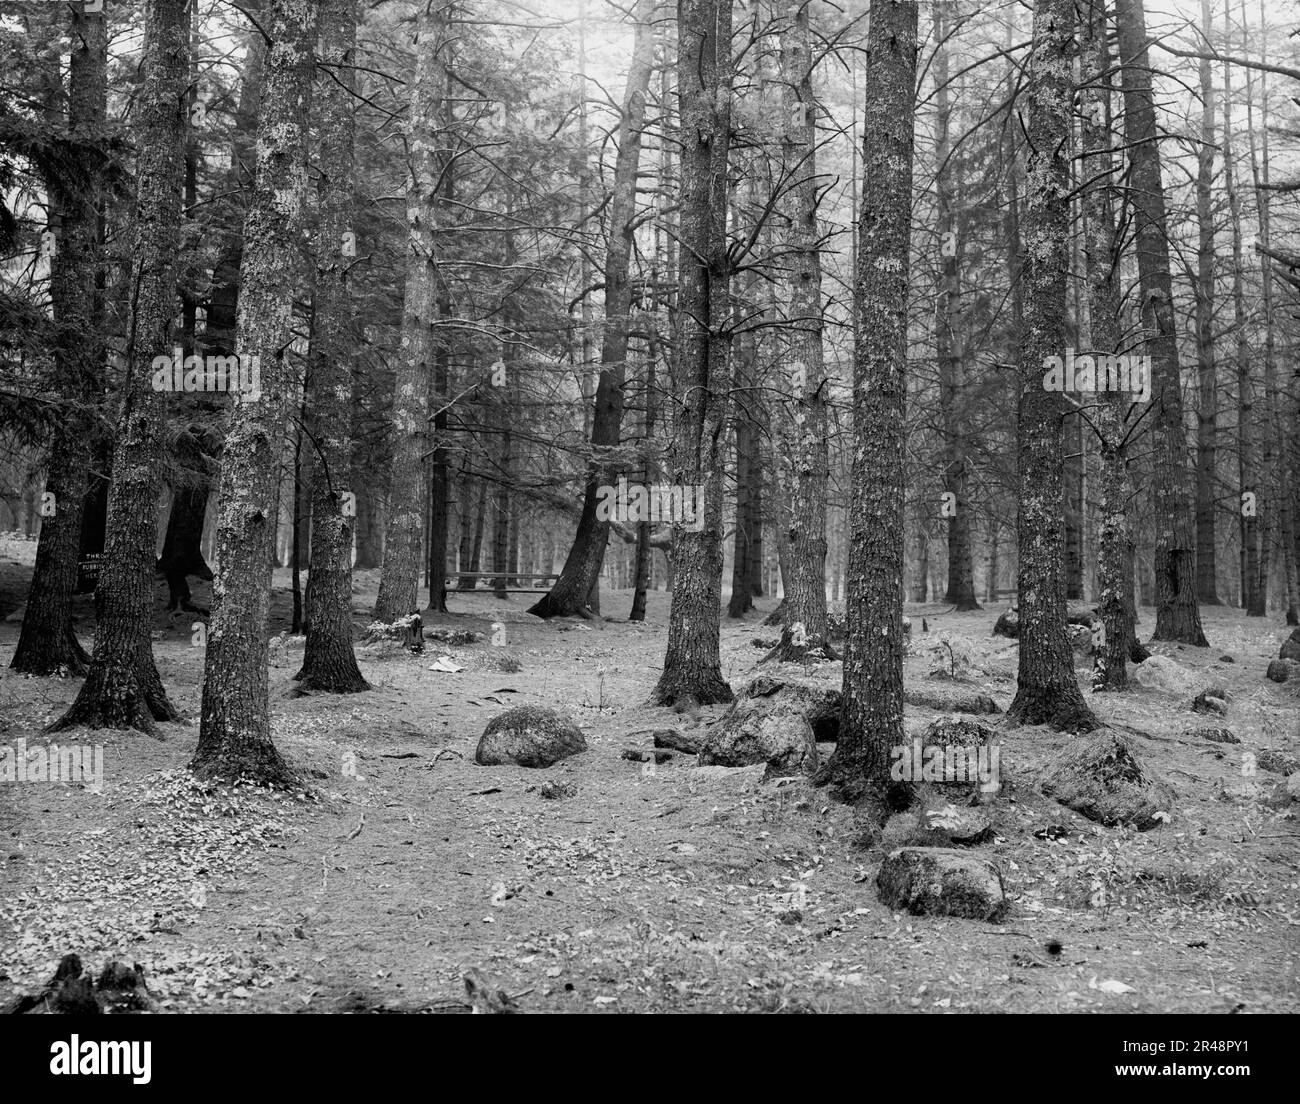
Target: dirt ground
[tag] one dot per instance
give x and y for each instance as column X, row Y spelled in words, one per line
column 681, row 889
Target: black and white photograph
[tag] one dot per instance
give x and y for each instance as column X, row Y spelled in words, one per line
column 650, row 507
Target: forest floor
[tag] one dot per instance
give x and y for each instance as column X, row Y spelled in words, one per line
column 676, row 890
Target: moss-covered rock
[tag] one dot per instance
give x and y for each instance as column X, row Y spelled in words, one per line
column 529, row 736
column 941, row 881
column 1100, row 777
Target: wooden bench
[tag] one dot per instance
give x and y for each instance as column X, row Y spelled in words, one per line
column 543, row 582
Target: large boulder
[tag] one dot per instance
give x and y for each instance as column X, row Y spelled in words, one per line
column 819, row 702
column 773, row 731
column 529, row 736
column 1163, row 674
column 1099, row 777
column 1291, row 647
column 942, row 882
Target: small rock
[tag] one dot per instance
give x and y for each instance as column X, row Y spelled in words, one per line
column 1213, row 699
column 1282, row 670
column 952, row 825
column 1277, row 762
column 529, row 736
column 1281, row 795
column 939, row 881
column 641, row 755
column 1163, row 674
column 1214, row 735
column 1226, row 659
column 1008, row 625
column 1080, row 638
column 557, row 791
column 731, row 778
column 678, row 740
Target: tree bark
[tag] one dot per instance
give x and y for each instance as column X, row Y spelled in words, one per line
column 1047, row 691
column 871, row 719
column 1247, row 530
column 692, row 663
column 399, row 583
column 234, row 729
column 748, row 471
column 122, row 689
column 587, row 553
column 439, row 466
column 1109, row 413
column 328, row 662
column 1207, row 414
column 47, row 643
column 1274, row 503
column 948, row 346
column 1177, row 615
column 182, row 554
column 803, row 464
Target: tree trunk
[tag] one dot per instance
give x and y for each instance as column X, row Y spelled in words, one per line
column 399, row 583
column 948, row 346
column 47, row 644
column 122, row 689
column 1273, row 501
column 1177, row 615
column 1207, row 414
column 1046, row 691
column 1109, row 412
column 587, row 553
column 644, row 571
column 234, row 730
column 439, row 473
column 369, row 550
column 501, row 495
column 748, row 467
column 480, row 524
column 871, row 720
column 1247, row 530
column 297, row 521
column 182, row 554
column 692, row 663
column 803, row 466
column 328, row 661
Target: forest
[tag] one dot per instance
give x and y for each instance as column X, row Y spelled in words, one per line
column 642, row 506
